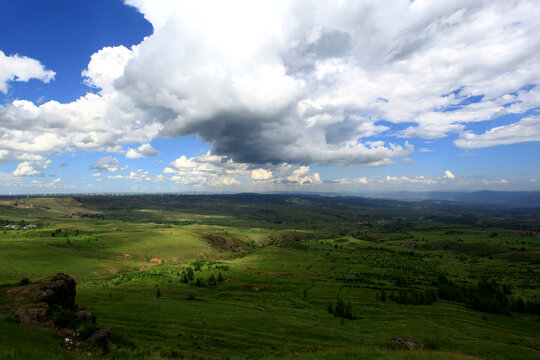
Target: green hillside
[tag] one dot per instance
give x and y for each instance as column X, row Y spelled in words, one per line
column 279, row 277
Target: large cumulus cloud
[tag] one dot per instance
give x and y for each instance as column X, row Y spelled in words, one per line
column 299, row 82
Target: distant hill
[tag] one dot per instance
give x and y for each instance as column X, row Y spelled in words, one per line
column 512, row 199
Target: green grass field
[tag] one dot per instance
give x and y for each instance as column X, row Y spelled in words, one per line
column 281, row 261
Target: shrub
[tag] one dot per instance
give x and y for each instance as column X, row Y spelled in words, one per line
column 24, row 281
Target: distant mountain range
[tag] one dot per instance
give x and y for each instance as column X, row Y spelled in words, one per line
column 494, row 199
column 514, row 199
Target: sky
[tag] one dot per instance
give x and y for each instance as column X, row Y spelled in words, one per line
column 233, row 96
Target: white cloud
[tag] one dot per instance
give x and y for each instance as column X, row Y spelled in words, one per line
column 448, row 175
column 361, row 180
column 526, row 129
column 25, row 169
column 261, row 174
column 115, row 177
column 226, row 181
column 106, row 66
column 145, row 150
column 500, row 181
column 397, row 180
column 207, row 169
column 45, row 184
column 4, row 155
column 142, row 175
column 108, row 164
column 138, row 175
column 342, row 181
column 214, row 170
column 302, row 176
column 31, row 168
column 21, row 68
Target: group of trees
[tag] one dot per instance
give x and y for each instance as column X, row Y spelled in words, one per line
column 531, row 306
column 188, row 276
column 67, row 232
column 486, row 296
column 341, row 309
column 410, row 296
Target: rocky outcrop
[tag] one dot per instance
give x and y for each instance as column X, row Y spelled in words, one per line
column 33, row 304
column 51, row 304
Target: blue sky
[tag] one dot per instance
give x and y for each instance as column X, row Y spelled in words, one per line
column 162, row 95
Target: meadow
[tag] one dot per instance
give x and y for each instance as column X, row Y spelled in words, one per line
column 280, row 276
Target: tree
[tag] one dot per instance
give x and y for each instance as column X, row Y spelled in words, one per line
column 190, row 273
column 212, row 280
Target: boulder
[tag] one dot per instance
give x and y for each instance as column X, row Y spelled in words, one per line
column 99, row 340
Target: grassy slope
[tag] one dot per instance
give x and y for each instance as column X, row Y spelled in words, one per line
column 273, row 300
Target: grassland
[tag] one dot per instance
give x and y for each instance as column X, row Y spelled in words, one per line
column 278, row 262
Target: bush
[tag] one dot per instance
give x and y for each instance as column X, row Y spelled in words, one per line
column 24, row 281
